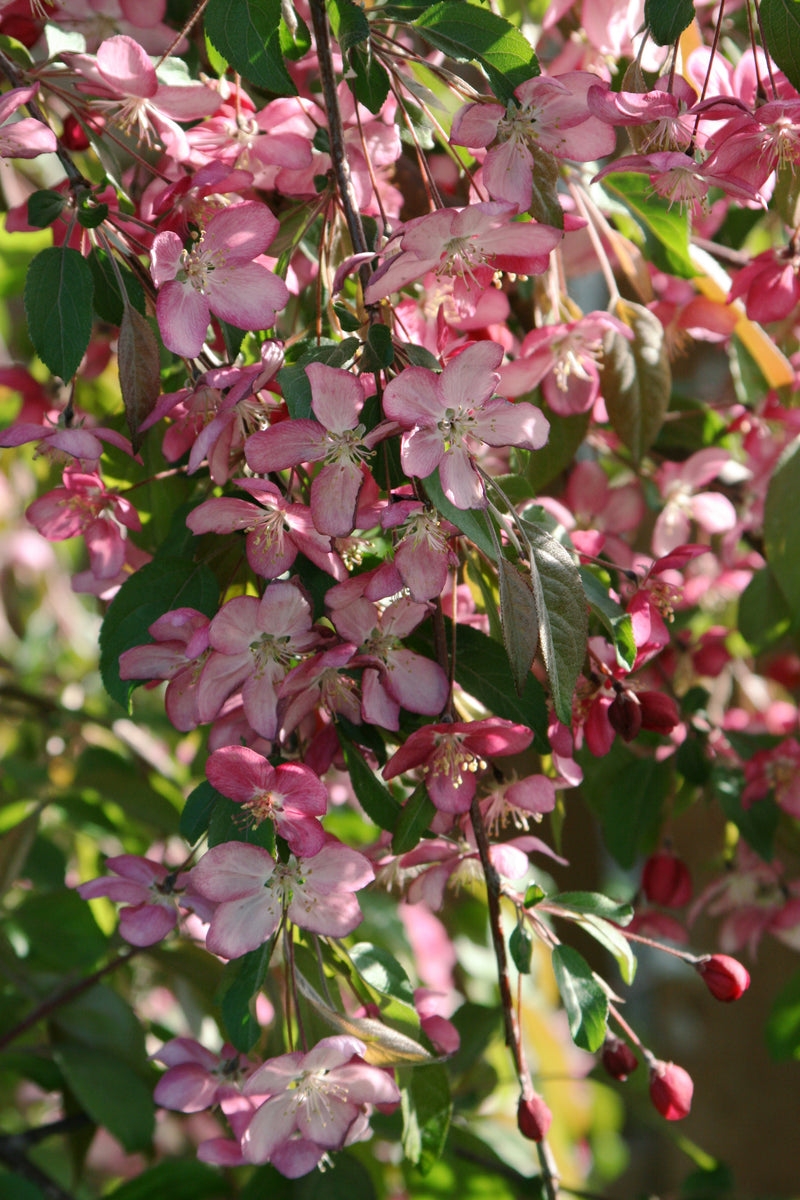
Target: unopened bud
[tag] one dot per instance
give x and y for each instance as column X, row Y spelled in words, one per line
column 73, row 135
column 618, row 1058
column 659, row 712
column 671, row 1090
column 625, row 715
column 724, row 976
column 666, row 880
column 533, row 1118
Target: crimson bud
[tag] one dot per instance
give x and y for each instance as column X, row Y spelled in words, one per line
column 618, row 1058
column 724, row 976
column 671, row 1090
column 625, row 714
column 666, row 880
column 533, row 1118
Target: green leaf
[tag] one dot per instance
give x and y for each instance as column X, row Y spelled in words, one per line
column 636, row 378
column 14, row 1187
column 241, row 981
column 110, row 1092
column 374, row 797
column 666, row 229
column 566, row 435
column 611, row 616
column 100, row 1018
column 382, row 972
column 471, row 521
column 58, row 306
column 426, row 1115
column 781, row 528
column 782, row 1030
column 534, row 894
column 780, row 22
column 764, row 616
column 80, row 942
column 348, row 22
column 294, row 42
column 370, row 81
column 247, row 34
column 520, row 946
column 584, row 999
column 378, row 349
column 90, row 218
column 667, row 19
column 44, row 207
column 562, row 615
column 414, row 820
column 519, row 618
column 757, row 824
column 628, row 795
column 614, row 941
column 108, row 303
column 178, row 1179
column 594, row 904
column 156, row 588
column 468, row 33
column 197, row 811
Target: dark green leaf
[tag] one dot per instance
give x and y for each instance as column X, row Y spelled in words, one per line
column 533, row 895
column 665, row 228
column 100, row 1018
column 426, row 1115
column 780, row 22
column 200, row 804
column 44, row 207
column 247, row 34
column 782, row 529
column 584, row 999
column 667, row 19
column 418, row 356
column 107, row 301
column 614, row 940
column 612, row 616
column 156, row 588
column 382, row 972
column 636, row 378
column 80, row 942
column 468, row 33
column 348, row 22
column 374, row 797
column 90, row 218
column 628, row 795
column 594, row 904
column 562, row 615
column 14, row 1187
column 757, row 824
column 414, row 820
column 566, row 435
column 520, row 946
column 111, row 1092
column 370, row 81
column 519, row 618
column 764, row 615
column 178, row 1179
column 783, row 1024
column 347, row 1179
column 242, row 982
column 545, row 205
column 227, row 824
column 378, row 349
column 58, row 306
column 295, row 42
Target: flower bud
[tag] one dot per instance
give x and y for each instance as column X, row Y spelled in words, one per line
column 724, row 977
column 73, row 135
column 666, row 880
column 618, row 1058
column 659, row 712
column 625, row 715
column 671, row 1090
column 533, row 1118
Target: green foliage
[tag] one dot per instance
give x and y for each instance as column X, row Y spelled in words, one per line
column 780, row 22
column 58, row 305
column 178, row 1179
column 782, row 1030
column 584, row 999
column 241, row 983
column 612, row 617
column 667, row 19
column 44, row 207
column 415, row 818
column 636, row 378
column 758, row 823
column 110, row 1092
column 781, row 529
column 520, row 946
column 427, row 1108
column 247, row 34
column 374, row 797
column 467, row 33
column 107, row 299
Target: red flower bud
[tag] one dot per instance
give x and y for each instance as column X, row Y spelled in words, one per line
column 73, row 135
column 533, row 1118
column 671, row 1090
column 618, row 1058
column 659, row 712
column 666, row 880
column 724, row 977
column 625, row 715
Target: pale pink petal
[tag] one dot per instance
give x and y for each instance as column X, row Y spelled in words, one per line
column 414, row 397
column 272, row 1125
column 508, row 173
column 286, row 445
column 469, row 379
column 246, row 295
column 460, row 481
column 26, row 138
column 186, row 1087
column 337, row 397
column 334, row 498
column 476, row 124
column 501, row 423
column 232, row 870
column 239, row 926
column 713, row 512
column 239, row 773
column 126, row 68
column 146, row 924
column 421, row 451
column 417, row 683
column 183, row 316
column 241, row 232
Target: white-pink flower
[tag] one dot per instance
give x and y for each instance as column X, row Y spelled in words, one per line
column 27, row 137
column 252, row 893
column 217, row 275
column 317, row 1102
column 151, row 893
column 447, row 415
column 678, row 482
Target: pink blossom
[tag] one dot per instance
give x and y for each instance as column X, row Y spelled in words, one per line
column 777, row 771
column 468, row 243
column 678, row 483
column 451, row 755
column 27, row 137
column 447, row 414
column 152, row 895
column 179, row 653
column 753, row 897
column 196, row 1078
column 335, row 439
column 320, row 683
column 318, row 1101
column 423, row 555
column 770, row 284
column 253, row 892
column 550, row 114
column 218, row 275
column 276, row 530
column 65, row 435
column 255, row 642
column 291, row 795
column 78, row 508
